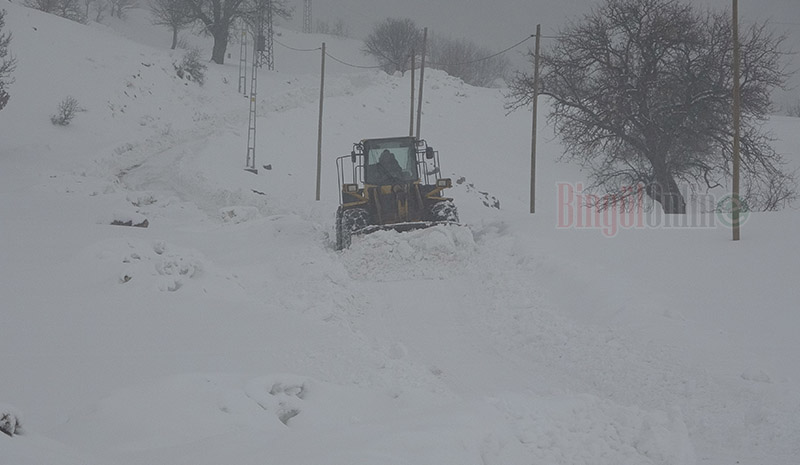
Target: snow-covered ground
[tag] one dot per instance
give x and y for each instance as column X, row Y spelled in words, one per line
column 230, row 331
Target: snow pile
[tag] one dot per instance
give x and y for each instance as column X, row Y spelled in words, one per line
column 432, row 253
column 586, row 430
column 144, row 265
column 238, row 214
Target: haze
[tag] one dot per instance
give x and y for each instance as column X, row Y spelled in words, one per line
column 501, row 23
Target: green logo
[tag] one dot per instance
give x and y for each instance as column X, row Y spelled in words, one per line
column 725, row 209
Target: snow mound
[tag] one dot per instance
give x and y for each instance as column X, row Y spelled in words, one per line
column 238, row 214
column 291, row 419
column 146, row 265
column 432, row 253
column 588, row 430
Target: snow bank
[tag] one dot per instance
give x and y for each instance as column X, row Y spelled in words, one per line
column 431, row 253
column 586, row 430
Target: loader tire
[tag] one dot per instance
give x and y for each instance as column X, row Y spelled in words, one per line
column 349, row 222
column 338, row 229
column 445, row 211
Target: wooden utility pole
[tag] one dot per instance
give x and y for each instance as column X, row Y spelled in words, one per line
column 413, row 70
column 735, row 201
column 535, row 111
column 421, row 78
column 319, row 130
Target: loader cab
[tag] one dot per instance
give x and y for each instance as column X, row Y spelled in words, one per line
column 390, row 161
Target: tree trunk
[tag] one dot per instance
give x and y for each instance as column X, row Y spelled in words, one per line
column 220, row 45
column 174, row 37
column 666, row 192
column 663, row 188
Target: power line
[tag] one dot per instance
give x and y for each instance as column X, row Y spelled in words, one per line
column 350, row 64
column 505, row 50
column 490, row 56
column 327, row 54
column 297, row 49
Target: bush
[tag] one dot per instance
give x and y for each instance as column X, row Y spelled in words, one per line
column 191, row 67
column 9, row 421
column 471, row 63
column 7, row 62
column 391, row 42
column 69, row 9
column 793, row 109
column 66, row 111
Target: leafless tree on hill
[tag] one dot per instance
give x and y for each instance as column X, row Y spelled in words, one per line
column 69, row 9
column 175, row 14
column 642, row 95
column 392, row 42
column 464, row 59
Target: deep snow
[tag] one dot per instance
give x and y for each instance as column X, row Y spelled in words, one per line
column 230, row 331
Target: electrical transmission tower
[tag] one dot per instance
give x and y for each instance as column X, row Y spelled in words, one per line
column 243, row 63
column 307, row 16
column 250, row 164
column 265, row 38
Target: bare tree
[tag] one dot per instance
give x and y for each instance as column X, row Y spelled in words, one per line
column 7, row 62
column 100, row 8
column 642, row 95
column 793, row 108
column 69, row 9
column 463, row 59
column 67, row 109
column 391, row 42
column 322, row 27
column 340, row 29
column 119, row 8
column 218, row 17
column 48, row 6
column 175, row 14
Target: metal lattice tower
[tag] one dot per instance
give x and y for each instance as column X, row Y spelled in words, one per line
column 243, row 63
column 266, row 34
column 307, row 16
column 250, row 164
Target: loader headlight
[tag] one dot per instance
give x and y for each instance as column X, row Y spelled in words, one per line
column 444, row 183
column 350, row 188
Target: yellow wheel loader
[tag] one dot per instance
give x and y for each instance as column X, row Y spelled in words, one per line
column 390, row 183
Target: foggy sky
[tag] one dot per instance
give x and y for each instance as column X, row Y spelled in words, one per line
column 497, row 24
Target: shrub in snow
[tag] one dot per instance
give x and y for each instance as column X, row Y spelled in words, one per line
column 466, row 60
column 66, row 111
column 9, row 421
column 7, row 62
column 70, row 9
column 793, row 109
column 191, row 67
column 391, row 43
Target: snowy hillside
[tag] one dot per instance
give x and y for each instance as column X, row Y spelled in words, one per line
column 230, row 331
